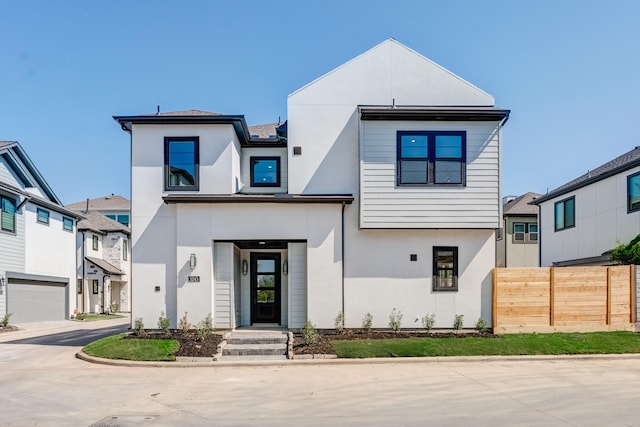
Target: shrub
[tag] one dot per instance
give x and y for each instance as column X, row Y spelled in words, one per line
column 5, row 320
column 395, row 320
column 81, row 316
column 309, row 333
column 114, row 308
column 338, row 322
column 367, row 322
column 164, row 323
column 481, row 325
column 627, row 254
column 428, row 322
column 138, row 327
column 204, row 327
column 458, row 322
column 184, row 324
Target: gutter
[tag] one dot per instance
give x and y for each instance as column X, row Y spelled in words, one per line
column 343, row 260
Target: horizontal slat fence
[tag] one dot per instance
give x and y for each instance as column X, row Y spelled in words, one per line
column 570, row 299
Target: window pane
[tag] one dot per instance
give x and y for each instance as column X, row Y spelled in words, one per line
column 43, row 216
column 413, row 146
column 123, row 219
column 266, row 281
column 533, row 236
column 182, row 163
column 448, row 172
column 559, row 216
column 518, row 228
column 265, row 172
column 67, row 224
column 113, row 217
column 634, row 193
column 266, row 266
column 569, row 213
column 8, row 215
column 448, row 146
column 266, row 296
column 533, row 228
column 444, row 259
column 413, row 172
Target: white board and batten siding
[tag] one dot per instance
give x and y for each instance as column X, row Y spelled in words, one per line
column 223, row 285
column 297, row 313
column 384, row 204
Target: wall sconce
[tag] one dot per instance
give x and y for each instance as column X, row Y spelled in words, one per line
column 2, row 282
column 192, row 261
column 285, row 268
column 245, row 267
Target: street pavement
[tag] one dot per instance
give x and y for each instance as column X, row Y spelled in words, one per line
column 43, row 384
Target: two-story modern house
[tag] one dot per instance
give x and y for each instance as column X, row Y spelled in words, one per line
column 582, row 221
column 517, row 244
column 381, row 191
column 37, row 243
column 113, row 206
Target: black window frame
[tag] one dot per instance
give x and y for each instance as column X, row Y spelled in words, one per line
column 629, row 204
column 65, row 221
column 196, row 166
column 44, row 211
column 431, row 158
column 252, row 162
column 435, row 287
column 95, row 285
column 94, row 242
column 14, row 203
column 125, row 249
column 564, row 214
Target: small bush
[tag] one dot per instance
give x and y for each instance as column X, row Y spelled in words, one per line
column 164, row 323
column 428, row 322
column 309, row 333
column 458, row 322
column 184, row 324
column 205, row 327
column 5, row 320
column 138, row 327
column 367, row 322
column 81, row 316
column 114, row 308
column 481, row 325
column 338, row 323
column 395, row 320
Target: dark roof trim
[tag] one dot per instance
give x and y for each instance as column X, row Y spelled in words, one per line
column 28, row 197
column 600, row 259
column 588, row 181
column 35, row 277
column 105, row 266
column 434, row 113
column 259, row 198
column 237, row 121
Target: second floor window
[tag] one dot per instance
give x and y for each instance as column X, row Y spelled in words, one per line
column 431, row 157
column 67, row 224
column 181, row 162
column 8, row 220
column 125, row 249
column 122, row 219
column 633, row 192
column 565, row 214
column 524, row 232
column 265, row 171
column 43, row 216
column 94, row 243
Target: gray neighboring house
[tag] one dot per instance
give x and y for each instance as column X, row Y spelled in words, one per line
column 104, row 254
column 584, row 219
column 517, row 245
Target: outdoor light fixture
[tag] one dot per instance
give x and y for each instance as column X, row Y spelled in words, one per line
column 285, row 268
column 192, row 261
column 245, row 267
column 2, row 282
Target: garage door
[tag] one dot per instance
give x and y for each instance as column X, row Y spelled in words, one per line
column 33, row 301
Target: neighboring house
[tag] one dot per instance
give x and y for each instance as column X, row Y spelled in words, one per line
column 583, row 220
column 104, row 265
column 115, row 207
column 381, row 191
column 517, row 244
column 37, row 243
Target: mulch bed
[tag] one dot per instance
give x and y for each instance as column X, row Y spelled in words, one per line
column 190, row 344
column 7, row 328
column 323, row 346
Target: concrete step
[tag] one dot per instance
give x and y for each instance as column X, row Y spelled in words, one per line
column 257, row 339
column 249, row 358
column 254, row 350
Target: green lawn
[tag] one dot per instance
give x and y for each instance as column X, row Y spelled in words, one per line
column 515, row 344
column 92, row 317
column 116, row 347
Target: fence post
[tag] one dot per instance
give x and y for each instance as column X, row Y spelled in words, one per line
column 494, row 305
column 552, row 286
column 608, row 316
column 633, row 296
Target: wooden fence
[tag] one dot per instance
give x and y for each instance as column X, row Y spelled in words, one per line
column 569, row 299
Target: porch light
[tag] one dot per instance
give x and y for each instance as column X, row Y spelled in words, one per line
column 285, row 268
column 2, row 282
column 245, row 267
column 192, row 261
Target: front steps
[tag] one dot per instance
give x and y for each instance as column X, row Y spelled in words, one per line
column 255, row 344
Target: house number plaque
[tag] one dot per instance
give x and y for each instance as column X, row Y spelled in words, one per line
column 193, row 279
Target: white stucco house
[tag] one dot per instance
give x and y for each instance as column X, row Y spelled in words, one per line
column 517, row 242
column 37, row 243
column 381, row 191
column 584, row 219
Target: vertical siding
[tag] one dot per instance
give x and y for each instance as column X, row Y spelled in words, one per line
column 284, row 292
column 237, row 274
column 11, row 255
column 297, row 284
column 385, row 205
column 245, row 160
column 6, row 176
column 223, row 267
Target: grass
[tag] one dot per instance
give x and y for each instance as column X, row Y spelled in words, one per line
column 92, row 317
column 513, row 344
column 116, row 347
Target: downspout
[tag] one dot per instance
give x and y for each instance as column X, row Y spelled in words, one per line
column 84, row 295
column 343, row 261
column 539, row 235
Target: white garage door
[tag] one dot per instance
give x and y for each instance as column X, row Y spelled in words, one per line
column 33, row 301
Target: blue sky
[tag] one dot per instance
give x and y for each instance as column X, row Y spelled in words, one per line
column 568, row 70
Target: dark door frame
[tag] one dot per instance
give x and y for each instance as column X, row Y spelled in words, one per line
column 254, row 257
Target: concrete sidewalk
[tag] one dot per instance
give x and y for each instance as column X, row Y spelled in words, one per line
column 35, row 329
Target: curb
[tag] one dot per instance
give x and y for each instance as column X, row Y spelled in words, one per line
column 373, row 361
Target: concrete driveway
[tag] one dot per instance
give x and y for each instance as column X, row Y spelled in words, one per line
column 42, row 383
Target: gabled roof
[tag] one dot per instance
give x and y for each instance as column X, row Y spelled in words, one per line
column 628, row 160
column 98, row 223
column 113, row 202
column 520, row 205
column 105, row 266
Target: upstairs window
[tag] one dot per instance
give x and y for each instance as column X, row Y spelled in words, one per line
column 181, row 162
column 524, row 232
column 125, row 249
column 633, row 192
column 8, row 215
column 265, row 171
column 445, row 268
column 565, row 214
column 94, row 242
column 67, row 224
column 431, row 158
column 122, row 219
column 43, row 216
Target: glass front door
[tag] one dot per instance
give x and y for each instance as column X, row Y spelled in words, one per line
column 265, row 288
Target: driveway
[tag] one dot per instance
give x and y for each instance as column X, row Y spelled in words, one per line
column 44, row 384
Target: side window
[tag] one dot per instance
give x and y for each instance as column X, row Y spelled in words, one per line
column 67, row 224
column 265, row 171
column 525, row 232
column 565, row 214
column 94, row 242
column 445, row 268
column 43, row 216
column 181, row 162
column 8, row 220
column 633, row 192
column 125, row 249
